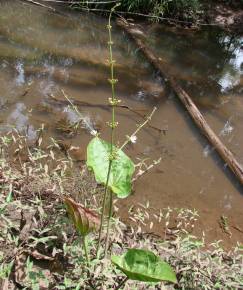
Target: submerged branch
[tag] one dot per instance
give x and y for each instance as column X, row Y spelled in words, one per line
column 77, row 103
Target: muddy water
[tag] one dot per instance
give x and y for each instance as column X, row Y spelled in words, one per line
column 43, row 55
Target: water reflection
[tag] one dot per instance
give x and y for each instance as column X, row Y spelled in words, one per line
column 233, row 71
column 208, row 63
column 20, row 78
column 19, row 120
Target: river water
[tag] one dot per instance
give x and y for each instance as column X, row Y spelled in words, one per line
column 44, row 54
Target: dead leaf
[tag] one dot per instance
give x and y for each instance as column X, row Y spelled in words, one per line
column 4, row 284
column 38, row 256
column 19, row 269
column 84, row 219
column 27, row 222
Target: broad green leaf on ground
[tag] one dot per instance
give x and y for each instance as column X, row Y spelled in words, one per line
column 144, row 266
column 122, row 169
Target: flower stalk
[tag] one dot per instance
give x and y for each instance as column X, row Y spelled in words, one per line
column 133, row 137
column 113, row 101
column 84, row 241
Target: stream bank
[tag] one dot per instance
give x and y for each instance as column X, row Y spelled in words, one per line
column 40, row 249
column 43, row 151
column 227, row 15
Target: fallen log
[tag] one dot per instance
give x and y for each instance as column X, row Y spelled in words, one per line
column 134, row 32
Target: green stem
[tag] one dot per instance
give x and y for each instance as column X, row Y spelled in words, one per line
column 84, row 240
column 138, row 129
column 109, row 223
column 103, row 207
column 112, row 125
column 112, row 80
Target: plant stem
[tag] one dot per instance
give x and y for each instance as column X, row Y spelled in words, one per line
column 138, row 129
column 103, row 207
column 84, row 240
column 122, row 283
column 112, row 81
column 113, row 124
column 72, row 104
column 108, row 224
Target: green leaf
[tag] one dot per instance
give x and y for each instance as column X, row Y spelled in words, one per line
column 144, row 266
column 122, row 168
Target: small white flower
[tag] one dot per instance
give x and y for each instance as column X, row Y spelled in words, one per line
column 93, row 132
column 133, row 139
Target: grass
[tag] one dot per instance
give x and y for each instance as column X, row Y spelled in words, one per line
column 179, row 12
column 39, row 246
column 183, row 9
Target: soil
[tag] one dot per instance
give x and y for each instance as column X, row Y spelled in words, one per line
column 228, row 17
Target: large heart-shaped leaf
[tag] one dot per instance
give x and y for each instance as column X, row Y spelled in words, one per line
column 122, row 168
column 144, row 266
